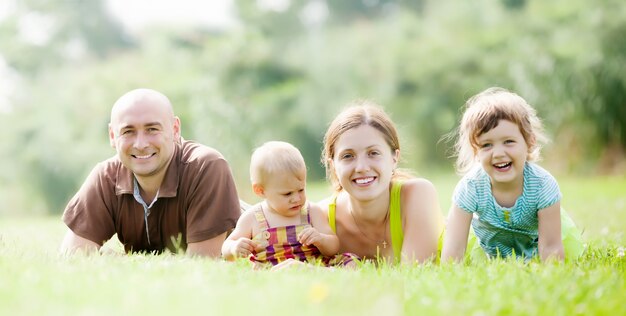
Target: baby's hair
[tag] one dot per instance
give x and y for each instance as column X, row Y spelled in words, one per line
column 483, row 111
column 274, row 157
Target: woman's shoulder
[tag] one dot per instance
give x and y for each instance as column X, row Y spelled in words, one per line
column 420, row 202
column 323, row 205
column 418, row 186
column 417, row 193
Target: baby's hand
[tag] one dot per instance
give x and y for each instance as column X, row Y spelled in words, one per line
column 243, row 247
column 309, row 236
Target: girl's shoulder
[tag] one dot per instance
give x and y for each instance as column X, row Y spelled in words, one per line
column 249, row 215
column 475, row 179
column 537, row 175
column 533, row 169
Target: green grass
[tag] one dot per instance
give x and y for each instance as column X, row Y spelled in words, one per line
column 35, row 280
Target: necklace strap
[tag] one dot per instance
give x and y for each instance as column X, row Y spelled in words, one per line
column 382, row 242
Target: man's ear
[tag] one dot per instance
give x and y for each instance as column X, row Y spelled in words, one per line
column 258, row 190
column 176, row 128
column 111, row 136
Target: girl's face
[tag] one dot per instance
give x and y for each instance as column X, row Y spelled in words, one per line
column 502, row 152
column 364, row 162
column 285, row 194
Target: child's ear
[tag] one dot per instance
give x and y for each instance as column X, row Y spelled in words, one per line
column 258, row 190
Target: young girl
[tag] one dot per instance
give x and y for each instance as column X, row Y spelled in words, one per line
column 512, row 203
column 284, row 225
column 377, row 211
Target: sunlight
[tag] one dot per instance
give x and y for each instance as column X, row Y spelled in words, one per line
column 139, row 14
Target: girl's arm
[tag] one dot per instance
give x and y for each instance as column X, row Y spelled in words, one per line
column 421, row 220
column 239, row 243
column 550, row 242
column 457, row 229
column 320, row 235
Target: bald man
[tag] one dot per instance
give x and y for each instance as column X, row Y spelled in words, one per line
column 158, row 192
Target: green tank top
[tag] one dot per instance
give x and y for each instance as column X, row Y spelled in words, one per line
column 395, row 219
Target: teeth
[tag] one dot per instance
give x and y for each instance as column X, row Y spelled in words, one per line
column 364, row 180
column 502, row 165
column 143, row 157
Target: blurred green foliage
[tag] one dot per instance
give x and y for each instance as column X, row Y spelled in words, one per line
column 285, row 75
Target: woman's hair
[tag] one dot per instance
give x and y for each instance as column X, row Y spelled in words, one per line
column 483, row 112
column 274, row 157
column 357, row 113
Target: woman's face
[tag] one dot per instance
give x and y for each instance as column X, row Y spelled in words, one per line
column 364, row 162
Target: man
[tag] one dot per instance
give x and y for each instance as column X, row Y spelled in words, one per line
column 159, row 192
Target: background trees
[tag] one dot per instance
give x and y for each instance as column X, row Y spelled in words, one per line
column 284, row 74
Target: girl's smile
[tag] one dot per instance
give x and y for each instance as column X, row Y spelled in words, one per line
column 502, row 153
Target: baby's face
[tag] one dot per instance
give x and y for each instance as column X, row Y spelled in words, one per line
column 285, row 194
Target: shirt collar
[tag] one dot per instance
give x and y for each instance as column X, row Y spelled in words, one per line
column 169, row 187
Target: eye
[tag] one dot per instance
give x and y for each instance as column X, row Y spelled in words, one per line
column 126, row 132
column 374, row 153
column 509, row 141
column 485, row 146
column 346, row 156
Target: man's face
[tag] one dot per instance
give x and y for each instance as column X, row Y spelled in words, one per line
column 143, row 132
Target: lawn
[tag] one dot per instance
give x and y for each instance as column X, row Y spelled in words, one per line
column 35, row 280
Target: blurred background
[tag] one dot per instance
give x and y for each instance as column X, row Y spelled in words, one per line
column 240, row 73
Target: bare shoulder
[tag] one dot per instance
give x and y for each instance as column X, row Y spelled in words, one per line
column 319, row 217
column 246, row 224
column 418, row 187
column 317, row 213
column 419, row 198
column 323, row 204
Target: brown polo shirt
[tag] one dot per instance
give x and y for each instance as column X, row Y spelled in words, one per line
column 197, row 201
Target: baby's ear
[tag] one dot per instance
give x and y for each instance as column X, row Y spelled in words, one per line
column 258, row 190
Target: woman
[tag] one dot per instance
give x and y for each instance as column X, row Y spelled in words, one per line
column 377, row 211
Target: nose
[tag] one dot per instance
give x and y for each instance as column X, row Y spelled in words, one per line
column 498, row 150
column 362, row 164
column 294, row 198
column 141, row 141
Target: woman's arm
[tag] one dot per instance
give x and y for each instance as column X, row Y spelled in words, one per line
column 455, row 239
column 550, row 242
column 421, row 218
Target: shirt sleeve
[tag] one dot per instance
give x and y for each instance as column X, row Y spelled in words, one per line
column 549, row 193
column 465, row 195
column 88, row 213
column 214, row 205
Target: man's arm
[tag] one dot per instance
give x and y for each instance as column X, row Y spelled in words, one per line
column 73, row 243
column 207, row 248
